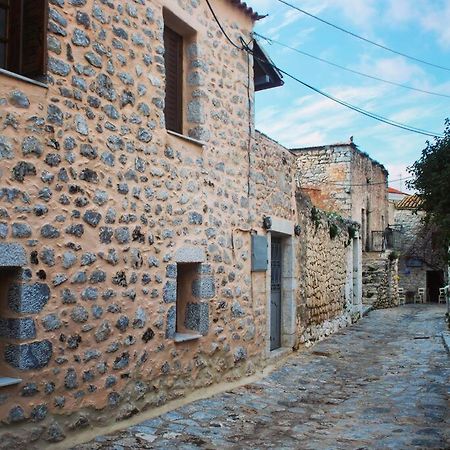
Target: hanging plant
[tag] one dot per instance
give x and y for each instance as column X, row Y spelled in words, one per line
column 315, row 217
column 334, row 230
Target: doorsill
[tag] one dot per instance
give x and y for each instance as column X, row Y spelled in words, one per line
column 280, row 352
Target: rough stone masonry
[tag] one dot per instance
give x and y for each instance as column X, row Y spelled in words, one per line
column 101, row 209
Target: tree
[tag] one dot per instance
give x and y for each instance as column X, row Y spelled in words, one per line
column 432, row 182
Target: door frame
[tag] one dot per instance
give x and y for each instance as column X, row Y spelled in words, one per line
column 283, row 229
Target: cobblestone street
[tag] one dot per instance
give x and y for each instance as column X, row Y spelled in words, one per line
column 379, row 384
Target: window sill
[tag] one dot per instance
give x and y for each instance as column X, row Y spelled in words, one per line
column 16, row 76
column 186, row 337
column 7, row 381
column 186, row 138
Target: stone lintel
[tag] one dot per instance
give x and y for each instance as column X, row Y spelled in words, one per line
column 12, row 255
column 190, row 255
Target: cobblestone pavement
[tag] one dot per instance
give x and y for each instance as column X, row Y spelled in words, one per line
column 379, row 384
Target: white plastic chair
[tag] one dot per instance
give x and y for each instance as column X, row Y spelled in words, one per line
column 401, row 296
column 420, row 295
column 441, row 298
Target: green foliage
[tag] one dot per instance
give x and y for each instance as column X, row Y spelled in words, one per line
column 315, row 217
column 393, row 256
column 334, row 230
column 432, row 181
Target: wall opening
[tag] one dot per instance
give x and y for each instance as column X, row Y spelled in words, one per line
column 11, row 327
column 435, row 280
column 186, row 274
column 281, row 287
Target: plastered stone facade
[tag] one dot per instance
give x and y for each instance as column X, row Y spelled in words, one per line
column 103, row 200
column 100, row 206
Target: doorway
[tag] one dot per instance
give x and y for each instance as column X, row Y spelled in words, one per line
column 275, row 293
column 435, row 280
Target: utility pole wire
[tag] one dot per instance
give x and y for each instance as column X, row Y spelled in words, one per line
column 270, row 40
column 246, row 48
column 337, row 27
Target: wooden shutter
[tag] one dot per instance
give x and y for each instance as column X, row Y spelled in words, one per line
column 173, row 58
column 14, row 36
column 34, row 37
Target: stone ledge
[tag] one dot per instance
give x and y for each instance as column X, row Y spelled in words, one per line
column 186, row 337
column 8, row 381
column 16, row 76
column 187, row 138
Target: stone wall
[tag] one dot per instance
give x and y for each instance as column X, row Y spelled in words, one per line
column 343, row 179
column 380, row 280
column 416, row 244
column 102, row 204
column 329, row 294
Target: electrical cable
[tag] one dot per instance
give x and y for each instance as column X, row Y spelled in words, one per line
column 335, row 99
column 221, row 27
column 270, row 40
column 350, row 106
column 337, row 27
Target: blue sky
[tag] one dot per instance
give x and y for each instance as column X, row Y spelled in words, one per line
column 297, row 117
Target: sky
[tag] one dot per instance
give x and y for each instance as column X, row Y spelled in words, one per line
column 297, row 117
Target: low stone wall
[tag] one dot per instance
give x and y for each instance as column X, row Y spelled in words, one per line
column 380, row 280
column 328, row 294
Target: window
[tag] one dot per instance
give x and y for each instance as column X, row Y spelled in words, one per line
column 23, row 25
column 173, row 59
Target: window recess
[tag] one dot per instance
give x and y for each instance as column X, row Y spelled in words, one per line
column 23, row 48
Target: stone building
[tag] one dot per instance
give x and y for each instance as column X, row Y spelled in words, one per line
column 151, row 243
column 421, row 259
column 342, row 179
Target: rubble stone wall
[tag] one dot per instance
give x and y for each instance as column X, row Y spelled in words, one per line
column 340, row 178
column 326, row 299
column 380, row 280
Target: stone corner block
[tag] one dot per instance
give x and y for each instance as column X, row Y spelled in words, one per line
column 170, row 292
column 171, row 325
column 28, row 298
column 197, row 317
column 34, row 355
column 204, row 287
column 12, row 255
column 190, row 255
column 22, row 328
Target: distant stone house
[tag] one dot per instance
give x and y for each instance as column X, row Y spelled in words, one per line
column 422, row 262
column 341, row 178
column 151, row 243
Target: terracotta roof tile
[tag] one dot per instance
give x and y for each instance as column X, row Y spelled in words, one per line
column 410, row 202
column 247, row 9
column 395, row 191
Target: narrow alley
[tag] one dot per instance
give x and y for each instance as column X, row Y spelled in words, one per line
column 379, row 384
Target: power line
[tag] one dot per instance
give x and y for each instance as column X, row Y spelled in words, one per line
column 270, row 40
column 356, row 108
column 337, row 27
column 341, row 102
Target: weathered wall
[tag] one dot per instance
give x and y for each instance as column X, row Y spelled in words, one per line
column 343, row 179
column 416, row 243
column 329, row 295
column 380, row 280
column 102, row 198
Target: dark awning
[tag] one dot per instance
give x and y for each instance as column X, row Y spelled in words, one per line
column 266, row 76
